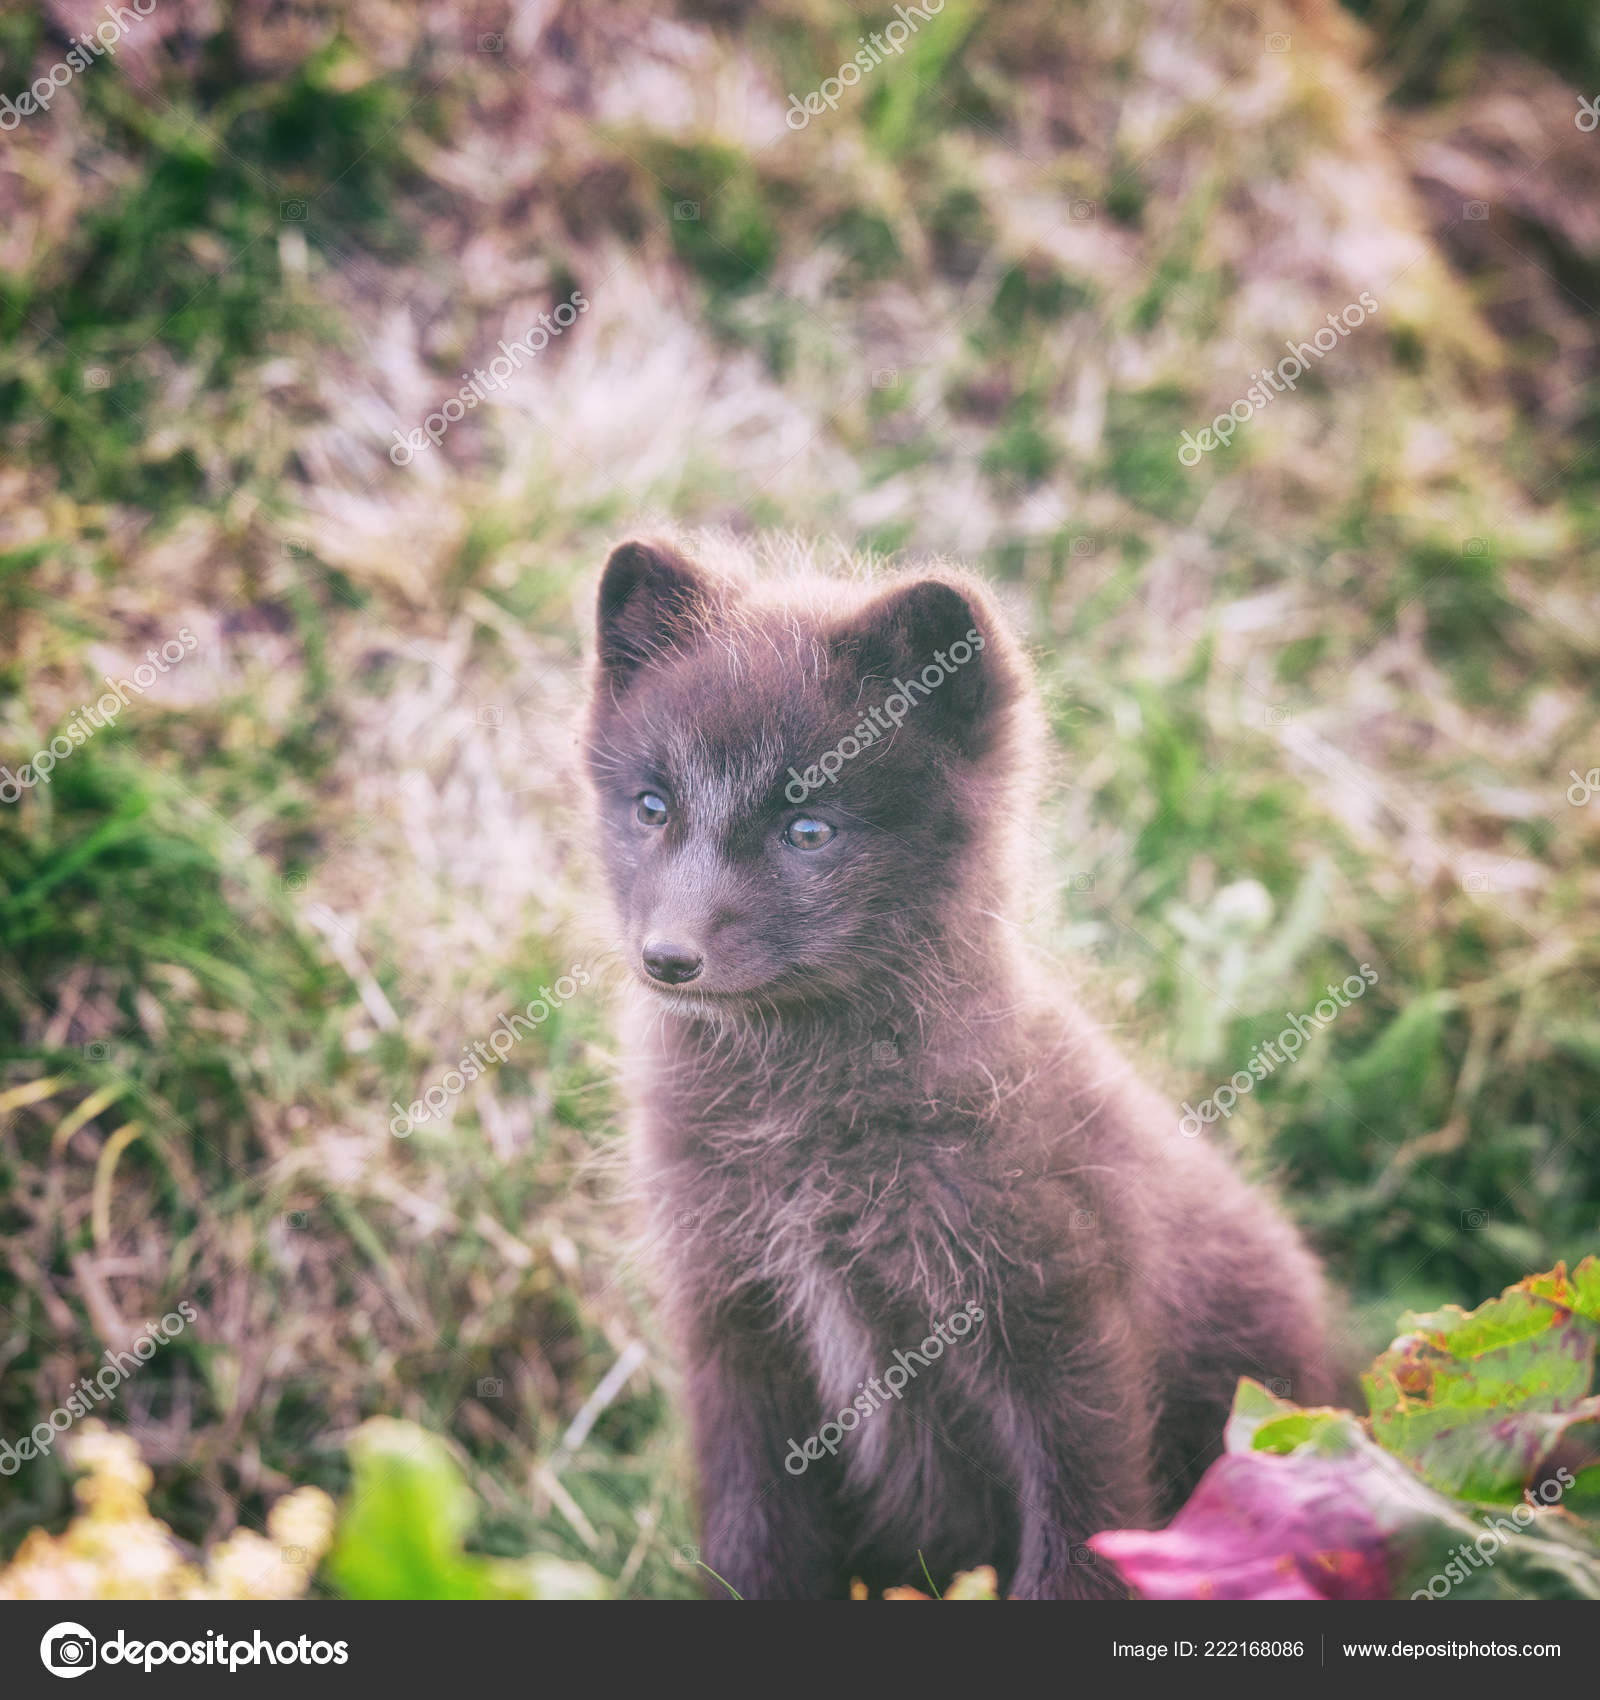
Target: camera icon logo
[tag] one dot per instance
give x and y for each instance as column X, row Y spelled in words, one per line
column 685, row 210
column 885, row 378
column 491, row 1387
column 1475, row 882
column 291, row 212
column 1082, row 209
column 1277, row 43
column 492, row 43
column 1081, row 546
column 68, row 1649
column 1473, row 1220
column 1083, row 882
column 1278, row 715
column 97, row 377
column 1475, row 209
column 1475, row 546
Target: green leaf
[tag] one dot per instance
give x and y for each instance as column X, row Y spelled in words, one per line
column 1487, row 1404
column 1253, row 1406
column 402, row 1530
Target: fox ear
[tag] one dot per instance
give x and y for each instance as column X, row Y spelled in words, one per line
column 939, row 644
column 651, row 599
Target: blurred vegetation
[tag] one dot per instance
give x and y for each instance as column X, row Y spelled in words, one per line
column 1428, row 47
column 399, row 1536
column 1475, row 1475
column 1317, row 701
column 115, row 1550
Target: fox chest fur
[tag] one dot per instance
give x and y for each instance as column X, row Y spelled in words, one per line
column 833, row 1201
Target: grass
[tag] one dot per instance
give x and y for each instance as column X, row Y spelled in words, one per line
column 1315, row 700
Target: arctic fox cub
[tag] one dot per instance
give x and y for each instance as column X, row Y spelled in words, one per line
column 949, row 1283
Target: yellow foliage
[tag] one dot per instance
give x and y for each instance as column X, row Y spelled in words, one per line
column 114, row 1549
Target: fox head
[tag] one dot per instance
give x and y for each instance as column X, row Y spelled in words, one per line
column 795, row 798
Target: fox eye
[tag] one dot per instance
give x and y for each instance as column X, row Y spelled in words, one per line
column 805, row 833
column 651, row 810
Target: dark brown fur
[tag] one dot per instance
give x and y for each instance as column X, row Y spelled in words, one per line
column 866, row 1112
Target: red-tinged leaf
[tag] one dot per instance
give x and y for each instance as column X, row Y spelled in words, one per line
column 1486, row 1404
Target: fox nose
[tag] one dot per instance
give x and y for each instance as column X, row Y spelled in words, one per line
column 671, row 963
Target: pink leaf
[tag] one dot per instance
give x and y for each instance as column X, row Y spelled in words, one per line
column 1259, row 1527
